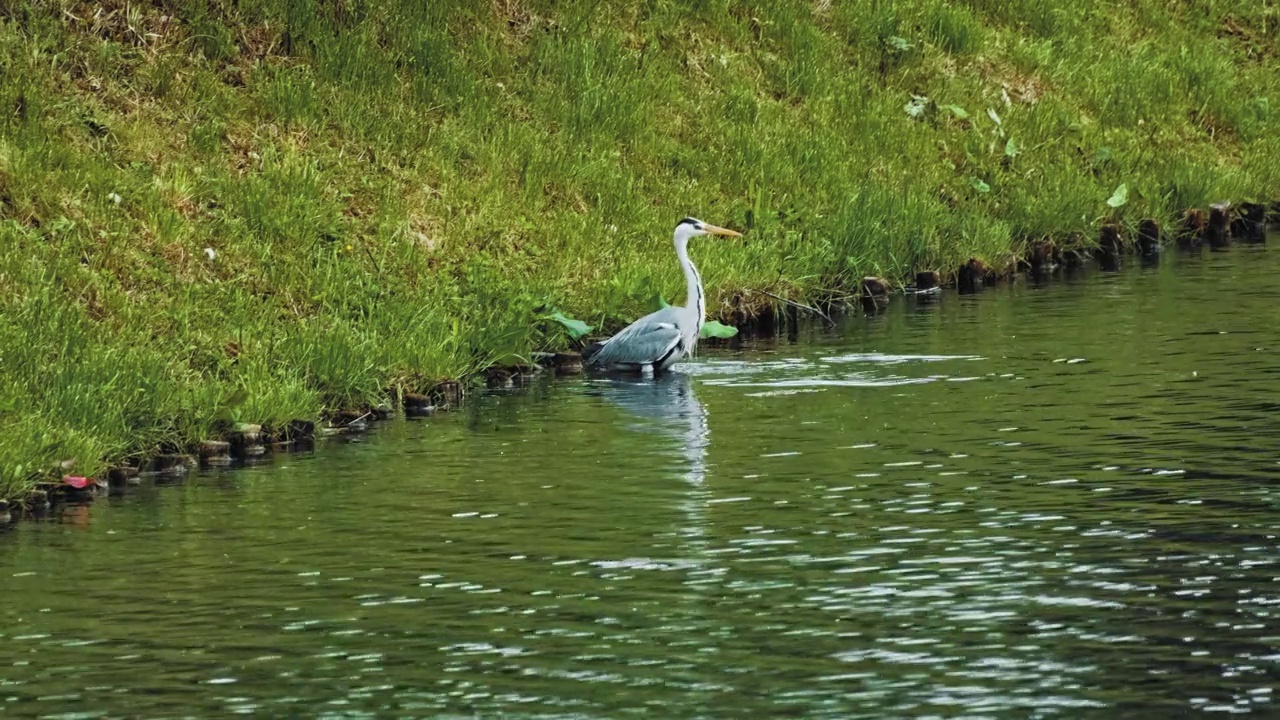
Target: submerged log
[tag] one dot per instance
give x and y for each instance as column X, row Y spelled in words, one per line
column 1148, row 237
column 1250, row 224
column 1218, row 232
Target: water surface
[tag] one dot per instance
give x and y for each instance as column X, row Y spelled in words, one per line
column 1050, row 500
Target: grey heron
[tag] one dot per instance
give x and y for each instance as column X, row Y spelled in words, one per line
column 660, row 339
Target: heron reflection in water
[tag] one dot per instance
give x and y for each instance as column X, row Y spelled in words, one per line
column 667, row 405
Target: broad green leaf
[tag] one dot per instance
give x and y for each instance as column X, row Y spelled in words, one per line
column 900, row 44
column 958, row 111
column 576, row 328
column 979, row 185
column 1119, row 197
column 1011, row 148
column 718, row 330
column 917, row 107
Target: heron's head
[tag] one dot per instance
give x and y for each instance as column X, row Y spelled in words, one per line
column 693, row 227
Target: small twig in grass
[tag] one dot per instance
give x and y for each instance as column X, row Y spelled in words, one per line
column 373, row 260
column 802, row 306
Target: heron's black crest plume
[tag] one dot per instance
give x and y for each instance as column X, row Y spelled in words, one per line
column 687, row 221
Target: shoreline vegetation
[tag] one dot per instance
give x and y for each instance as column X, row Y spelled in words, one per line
column 229, row 222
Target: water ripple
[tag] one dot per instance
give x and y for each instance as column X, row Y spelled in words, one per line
column 1053, row 501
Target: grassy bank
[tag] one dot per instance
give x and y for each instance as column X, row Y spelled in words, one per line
column 256, row 210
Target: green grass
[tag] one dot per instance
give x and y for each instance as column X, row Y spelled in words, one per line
column 399, row 192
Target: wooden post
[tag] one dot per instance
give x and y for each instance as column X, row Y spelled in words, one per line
column 1219, row 231
column 247, row 441
column 172, row 464
column 215, row 452
column 875, row 294
column 567, row 363
column 1042, row 257
column 1194, row 228
column 1109, row 247
column 1148, row 237
column 969, row 278
column 122, row 475
column 1250, row 224
column 927, row 280
column 447, row 393
column 417, row 405
column 298, row 430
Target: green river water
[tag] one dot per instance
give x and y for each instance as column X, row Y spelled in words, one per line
column 1053, row 500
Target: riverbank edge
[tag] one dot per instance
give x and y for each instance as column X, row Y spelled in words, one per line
column 1217, row 227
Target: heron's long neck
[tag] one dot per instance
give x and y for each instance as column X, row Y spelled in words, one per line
column 694, row 298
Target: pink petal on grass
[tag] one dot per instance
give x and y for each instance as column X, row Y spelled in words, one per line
column 78, row 482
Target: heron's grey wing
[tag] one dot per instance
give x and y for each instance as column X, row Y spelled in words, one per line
column 647, row 340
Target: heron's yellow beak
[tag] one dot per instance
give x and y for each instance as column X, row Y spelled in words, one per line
column 714, row 230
